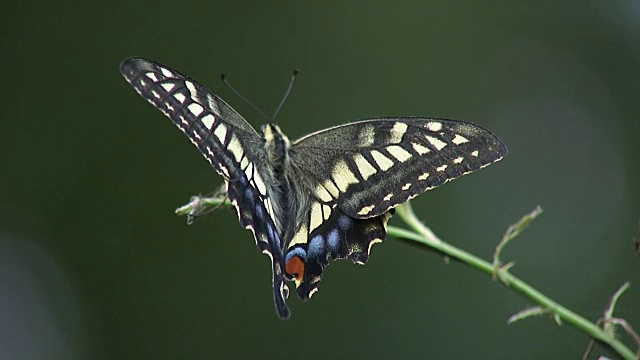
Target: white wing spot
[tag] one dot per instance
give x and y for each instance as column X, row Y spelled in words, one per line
column 195, row 109
column 236, row 148
column 387, row 197
column 442, row 168
column 169, row 107
column 367, row 136
column 397, row 132
column 313, row 291
column 459, row 139
column 224, row 170
column 210, row 152
column 221, row 133
column 373, row 242
column 301, row 237
column 364, row 167
column 259, row 184
column 155, row 94
column 406, row 186
column 326, row 211
column 343, row 176
column 421, row 150
column 423, row 176
column 399, row 153
column 316, row 216
column 270, row 210
column 208, row 121
column 331, row 188
column 268, row 207
column 474, row 153
column 183, row 121
column 437, row 143
column 191, row 88
column 166, row 72
column 365, row 210
column 168, row 86
column 323, row 194
column 383, row 162
column 152, row 76
column 458, row 160
column 434, row 126
column 244, row 163
column 179, row 97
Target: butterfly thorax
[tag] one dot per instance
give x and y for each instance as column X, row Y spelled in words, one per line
column 281, row 182
column 276, row 146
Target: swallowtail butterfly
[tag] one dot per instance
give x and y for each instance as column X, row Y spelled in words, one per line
column 327, row 194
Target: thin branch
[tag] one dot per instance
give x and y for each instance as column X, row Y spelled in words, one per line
column 512, row 232
column 609, row 322
column 509, row 280
column 608, row 313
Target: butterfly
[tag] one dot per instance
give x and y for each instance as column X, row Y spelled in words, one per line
column 326, row 195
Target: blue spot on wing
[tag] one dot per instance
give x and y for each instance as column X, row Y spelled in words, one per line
column 316, row 246
column 272, row 234
column 333, row 240
column 345, row 222
column 248, row 194
column 260, row 211
column 296, row 252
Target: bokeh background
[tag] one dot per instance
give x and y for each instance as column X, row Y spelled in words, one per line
column 95, row 265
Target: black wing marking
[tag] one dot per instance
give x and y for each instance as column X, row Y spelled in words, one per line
column 205, row 118
column 254, row 215
column 328, row 231
column 227, row 141
column 371, row 166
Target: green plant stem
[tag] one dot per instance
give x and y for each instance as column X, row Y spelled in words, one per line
column 425, row 236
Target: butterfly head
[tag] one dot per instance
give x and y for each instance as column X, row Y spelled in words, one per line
column 272, row 133
column 276, row 142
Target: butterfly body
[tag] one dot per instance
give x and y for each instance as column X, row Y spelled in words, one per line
column 326, row 195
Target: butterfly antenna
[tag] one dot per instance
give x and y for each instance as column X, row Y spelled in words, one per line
column 224, row 80
column 286, row 94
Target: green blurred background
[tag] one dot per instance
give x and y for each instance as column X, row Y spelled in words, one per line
column 95, row 265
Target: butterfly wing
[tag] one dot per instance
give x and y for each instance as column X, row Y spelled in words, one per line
column 227, row 141
column 361, row 171
column 327, row 231
column 371, row 166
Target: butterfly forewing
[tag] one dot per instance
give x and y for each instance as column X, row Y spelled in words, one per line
column 227, row 141
column 369, row 167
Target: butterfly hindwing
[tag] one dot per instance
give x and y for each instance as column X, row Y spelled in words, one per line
column 329, row 232
column 371, row 166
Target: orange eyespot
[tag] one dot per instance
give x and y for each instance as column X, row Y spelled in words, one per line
column 295, row 269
